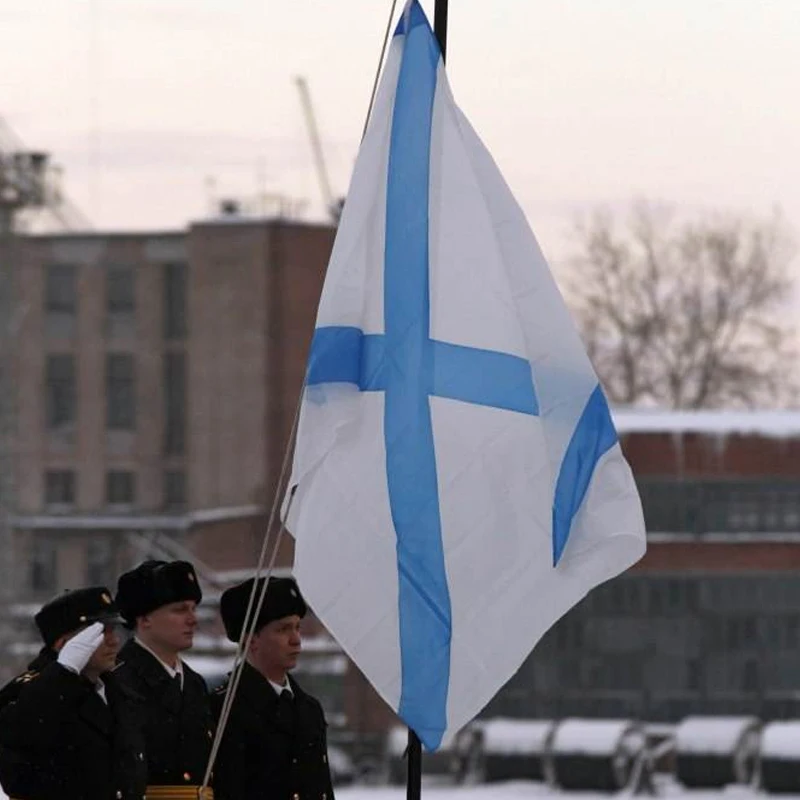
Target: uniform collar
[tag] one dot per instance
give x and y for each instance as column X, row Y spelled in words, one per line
column 171, row 671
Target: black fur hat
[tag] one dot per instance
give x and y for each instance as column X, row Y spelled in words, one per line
column 283, row 599
column 154, row 584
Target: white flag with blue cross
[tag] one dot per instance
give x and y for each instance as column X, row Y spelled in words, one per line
column 458, row 482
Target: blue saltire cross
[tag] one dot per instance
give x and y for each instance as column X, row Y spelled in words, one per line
column 410, row 367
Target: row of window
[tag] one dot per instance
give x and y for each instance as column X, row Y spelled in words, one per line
column 708, row 506
column 61, row 295
column 60, row 488
column 678, row 595
column 61, row 395
column 721, row 634
column 43, row 562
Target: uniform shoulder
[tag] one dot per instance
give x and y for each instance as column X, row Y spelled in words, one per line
column 11, row 691
column 218, row 693
column 194, row 676
column 305, row 697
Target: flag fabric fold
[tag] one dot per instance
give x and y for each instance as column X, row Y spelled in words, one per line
column 458, row 484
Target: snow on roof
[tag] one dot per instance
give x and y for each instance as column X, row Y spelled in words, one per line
column 209, row 666
column 515, row 736
column 135, row 522
column 781, row 740
column 712, row 735
column 592, row 737
column 396, row 740
column 322, row 665
column 774, row 424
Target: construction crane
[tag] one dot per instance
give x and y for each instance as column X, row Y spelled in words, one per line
column 30, row 182
column 333, row 205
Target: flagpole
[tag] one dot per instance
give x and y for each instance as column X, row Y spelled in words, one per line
column 440, row 25
column 414, row 782
column 414, row 753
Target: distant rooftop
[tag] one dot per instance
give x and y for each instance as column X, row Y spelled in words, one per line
column 777, row 424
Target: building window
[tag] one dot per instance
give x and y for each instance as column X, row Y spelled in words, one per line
column 60, row 402
column 59, row 488
column 120, row 290
column 694, row 675
column 120, row 392
column 60, row 289
column 174, row 403
column 174, row 490
column 175, row 301
column 720, row 506
column 99, row 561
column 120, row 488
column 120, row 302
column 43, row 565
column 750, row 676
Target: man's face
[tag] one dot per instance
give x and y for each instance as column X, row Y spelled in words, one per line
column 275, row 648
column 105, row 655
column 170, row 627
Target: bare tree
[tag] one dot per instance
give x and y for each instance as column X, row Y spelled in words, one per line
column 687, row 314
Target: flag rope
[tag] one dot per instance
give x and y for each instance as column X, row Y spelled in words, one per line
column 378, row 70
column 252, row 613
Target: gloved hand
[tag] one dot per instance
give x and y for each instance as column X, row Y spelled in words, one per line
column 75, row 654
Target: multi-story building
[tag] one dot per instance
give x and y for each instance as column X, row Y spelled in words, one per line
column 158, row 378
column 709, row 621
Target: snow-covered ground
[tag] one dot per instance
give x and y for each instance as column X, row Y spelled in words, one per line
column 520, row 790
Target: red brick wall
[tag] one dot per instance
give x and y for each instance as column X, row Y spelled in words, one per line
column 703, row 455
column 296, row 263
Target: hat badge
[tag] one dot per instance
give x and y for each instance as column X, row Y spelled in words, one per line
column 190, row 576
column 105, row 598
column 292, row 592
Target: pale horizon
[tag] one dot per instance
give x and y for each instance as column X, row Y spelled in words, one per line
column 154, row 107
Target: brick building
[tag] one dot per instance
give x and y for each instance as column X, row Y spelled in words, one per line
column 158, row 376
column 709, row 621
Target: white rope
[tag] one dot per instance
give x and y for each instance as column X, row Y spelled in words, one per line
column 378, row 70
column 252, row 614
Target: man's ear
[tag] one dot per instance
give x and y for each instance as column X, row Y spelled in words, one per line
column 252, row 646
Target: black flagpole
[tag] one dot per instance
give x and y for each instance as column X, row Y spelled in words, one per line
column 414, row 755
column 440, row 25
column 414, row 783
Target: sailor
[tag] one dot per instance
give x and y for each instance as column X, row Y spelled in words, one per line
column 69, row 730
column 158, row 602
column 274, row 742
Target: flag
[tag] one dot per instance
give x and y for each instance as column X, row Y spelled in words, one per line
column 457, row 483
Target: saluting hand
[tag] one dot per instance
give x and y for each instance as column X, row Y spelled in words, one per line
column 75, row 654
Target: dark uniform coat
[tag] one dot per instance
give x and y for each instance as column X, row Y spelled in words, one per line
column 60, row 741
column 178, row 726
column 272, row 747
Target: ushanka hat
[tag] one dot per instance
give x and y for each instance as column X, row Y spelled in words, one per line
column 154, row 584
column 283, row 599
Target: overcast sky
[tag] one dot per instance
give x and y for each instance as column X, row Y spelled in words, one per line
column 153, row 106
